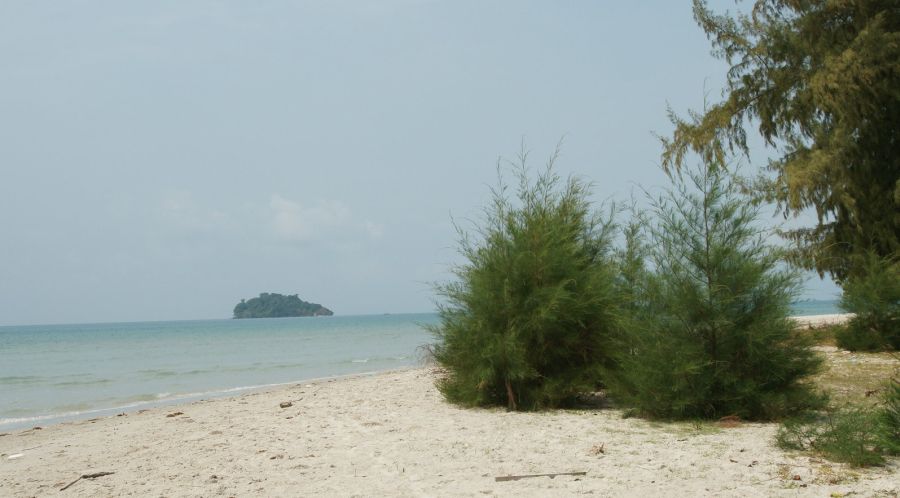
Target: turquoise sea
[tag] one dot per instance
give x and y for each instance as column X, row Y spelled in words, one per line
column 52, row 373
column 808, row 307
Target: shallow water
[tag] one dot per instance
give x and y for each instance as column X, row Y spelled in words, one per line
column 50, row 373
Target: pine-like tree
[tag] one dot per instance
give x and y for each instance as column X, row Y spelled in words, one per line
column 873, row 296
column 821, row 80
column 526, row 325
column 715, row 338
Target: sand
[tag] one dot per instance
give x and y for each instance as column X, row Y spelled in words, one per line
column 814, row 321
column 391, row 434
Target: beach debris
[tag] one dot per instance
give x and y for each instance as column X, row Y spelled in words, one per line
column 121, row 415
column 797, row 477
column 4, row 434
column 174, row 414
column 598, row 449
column 37, row 428
column 285, row 404
column 87, row 476
column 17, row 455
column 528, row 476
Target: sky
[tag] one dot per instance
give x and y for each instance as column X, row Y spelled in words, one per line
column 162, row 160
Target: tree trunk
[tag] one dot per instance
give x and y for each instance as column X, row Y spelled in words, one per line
column 510, row 396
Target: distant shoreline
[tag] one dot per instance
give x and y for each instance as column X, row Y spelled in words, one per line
column 821, row 320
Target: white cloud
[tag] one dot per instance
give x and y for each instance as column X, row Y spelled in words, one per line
column 293, row 221
column 181, row 209
column 375, row 230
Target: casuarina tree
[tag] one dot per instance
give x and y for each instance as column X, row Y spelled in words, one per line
column 714, row 337
column 527, row 321
column 820, row 80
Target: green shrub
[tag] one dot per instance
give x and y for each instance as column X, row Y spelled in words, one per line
column 715, row 337
column 845, row 436
column 873, row 295
column 632, row 282
column 527, row 323
column 853, row 337
column 858, row 436
column 888, row 418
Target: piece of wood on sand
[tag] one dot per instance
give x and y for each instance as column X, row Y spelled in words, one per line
column 87, row 476
column 526, row 476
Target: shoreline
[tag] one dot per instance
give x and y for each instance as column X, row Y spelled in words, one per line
column 392, row 434
column 24, row 423
column 28, row 423
column 814, row 321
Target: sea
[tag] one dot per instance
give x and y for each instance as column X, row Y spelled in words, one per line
column 807, row 307
column 57, row 373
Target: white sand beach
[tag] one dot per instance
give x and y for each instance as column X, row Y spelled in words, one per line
column 392, row 434
column 814, row 321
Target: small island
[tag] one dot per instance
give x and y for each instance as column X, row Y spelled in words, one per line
column 277, row 306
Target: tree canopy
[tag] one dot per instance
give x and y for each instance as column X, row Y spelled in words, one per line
column 821, row 79
column 278, row 305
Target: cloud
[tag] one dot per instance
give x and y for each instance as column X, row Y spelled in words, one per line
column 295, row 222
column 375, row 230
column 181, row 209
column 283, row 219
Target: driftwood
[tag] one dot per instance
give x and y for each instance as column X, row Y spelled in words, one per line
column 551, row 476
column 87, row 476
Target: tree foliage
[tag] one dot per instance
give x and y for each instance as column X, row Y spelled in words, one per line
column 873, row 296
column 278, row 305
column 888, row 418
column 526, row 323
column 858, row 436
column 821, row 78
column 713, row 337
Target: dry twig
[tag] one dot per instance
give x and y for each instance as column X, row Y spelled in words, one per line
column 86, row 476
column 551, row 476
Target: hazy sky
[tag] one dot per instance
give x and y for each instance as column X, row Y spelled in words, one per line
column 161, row 160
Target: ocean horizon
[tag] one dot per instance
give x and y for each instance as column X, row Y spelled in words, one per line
column 63, row 372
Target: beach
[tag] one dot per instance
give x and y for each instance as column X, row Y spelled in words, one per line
column 392, row 434
column 814, row 321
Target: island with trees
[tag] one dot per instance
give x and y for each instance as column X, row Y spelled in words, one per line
column 273, row 305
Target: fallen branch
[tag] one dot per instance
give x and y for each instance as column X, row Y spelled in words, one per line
column 87, row 476
column 551, row 476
